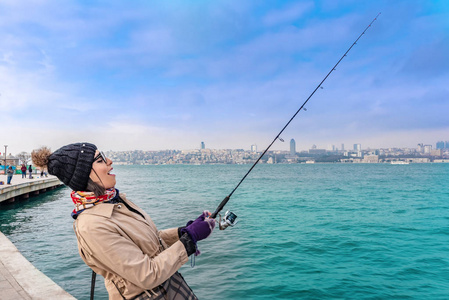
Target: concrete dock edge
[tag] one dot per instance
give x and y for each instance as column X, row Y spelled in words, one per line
column 19, row 279
column 26, row 187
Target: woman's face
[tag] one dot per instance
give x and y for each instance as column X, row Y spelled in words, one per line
column 101, row 171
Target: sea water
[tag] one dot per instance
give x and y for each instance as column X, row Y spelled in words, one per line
column 305, row 231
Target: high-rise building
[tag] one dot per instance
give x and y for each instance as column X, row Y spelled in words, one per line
column 357, row 147
column 440, row 145
column 203, row 146
column 342, row 147
column 292, row 147
column 420, row 148
column 254, row 148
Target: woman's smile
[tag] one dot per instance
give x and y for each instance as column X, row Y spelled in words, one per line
column 102, row 171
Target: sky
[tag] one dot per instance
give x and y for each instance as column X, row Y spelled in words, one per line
column 155, row 75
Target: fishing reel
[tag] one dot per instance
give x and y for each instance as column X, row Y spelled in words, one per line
column 228, row 220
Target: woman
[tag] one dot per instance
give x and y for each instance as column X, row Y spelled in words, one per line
column 30, row 169
column 116, row 238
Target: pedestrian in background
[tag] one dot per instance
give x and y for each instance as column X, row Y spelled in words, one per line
column 43, row 173
column 24, row 171
column 9, row 172
column 30, row 169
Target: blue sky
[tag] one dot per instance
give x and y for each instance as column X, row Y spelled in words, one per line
column 155, row 75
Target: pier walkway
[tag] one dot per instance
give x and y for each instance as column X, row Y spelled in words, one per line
column 25, row 187
column 20, row 280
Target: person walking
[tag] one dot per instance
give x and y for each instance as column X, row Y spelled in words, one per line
column 30, row 169
column 10, row 173
column 24, row 171
column 116, row 238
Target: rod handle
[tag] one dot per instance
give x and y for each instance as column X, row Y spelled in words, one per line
column 220, row 207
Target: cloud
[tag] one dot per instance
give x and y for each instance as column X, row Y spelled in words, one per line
column 429, row 60
column 290, row 13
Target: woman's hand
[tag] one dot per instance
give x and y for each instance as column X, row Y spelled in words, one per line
column 201, row 228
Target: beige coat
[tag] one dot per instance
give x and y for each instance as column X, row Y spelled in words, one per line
column 125, row 248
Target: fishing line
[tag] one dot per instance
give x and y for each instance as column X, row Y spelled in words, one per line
column 226, row 199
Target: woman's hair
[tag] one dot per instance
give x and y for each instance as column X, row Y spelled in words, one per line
column 94, row 187
column 40, row 157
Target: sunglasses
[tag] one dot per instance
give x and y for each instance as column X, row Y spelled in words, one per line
column 102, row 156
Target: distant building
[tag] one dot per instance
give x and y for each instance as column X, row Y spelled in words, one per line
column 440, row 145
column 292, row 147
column 317, row 151
column 427, row 149
column 10, row 160
column 436, row 152
column 420, row 148
column 203, row 146
column 357, row 147
column 254, row 148
column 342, row 147
column 353, row 153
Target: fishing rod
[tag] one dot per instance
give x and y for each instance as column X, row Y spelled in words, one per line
column 230, row 218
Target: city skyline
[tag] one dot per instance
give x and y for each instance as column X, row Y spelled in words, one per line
column 292, row 144
column 153, row 76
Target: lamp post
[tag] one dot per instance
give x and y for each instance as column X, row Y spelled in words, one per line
column 6, row 146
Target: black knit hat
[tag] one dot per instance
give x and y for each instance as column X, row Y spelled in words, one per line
column 72, row 164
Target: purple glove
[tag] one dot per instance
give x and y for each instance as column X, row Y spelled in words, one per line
column 201, row 228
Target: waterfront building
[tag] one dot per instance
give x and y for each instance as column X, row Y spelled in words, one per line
column 419, row 160
column 371, row 158
column 292, row 147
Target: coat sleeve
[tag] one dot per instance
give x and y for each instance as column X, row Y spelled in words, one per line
column 117, row 253
column 170, row 236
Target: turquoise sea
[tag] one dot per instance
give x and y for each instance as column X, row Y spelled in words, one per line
column 305, row 231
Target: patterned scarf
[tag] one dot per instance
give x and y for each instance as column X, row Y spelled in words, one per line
column 85, row 200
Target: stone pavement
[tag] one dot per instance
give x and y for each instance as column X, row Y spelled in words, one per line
column 10, row 289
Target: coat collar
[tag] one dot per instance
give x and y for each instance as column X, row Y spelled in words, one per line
column 102, row 210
